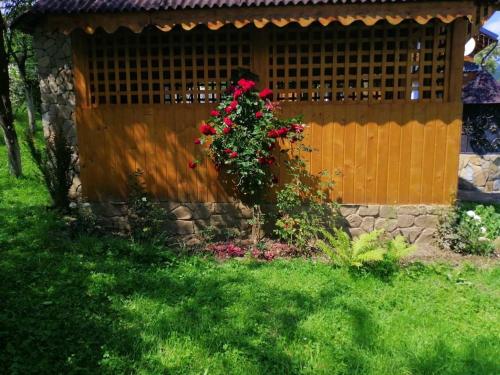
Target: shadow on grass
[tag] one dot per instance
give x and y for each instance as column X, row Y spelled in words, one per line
column 93, row 305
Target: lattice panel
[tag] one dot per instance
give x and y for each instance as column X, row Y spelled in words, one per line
column 164, row 68
column 360, row 63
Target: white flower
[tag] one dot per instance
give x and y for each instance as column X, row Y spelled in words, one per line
column 483, row 230
column 144, row 199
column 86, row 205
column 483, row 239
column 471, row 213
column 72, row 205
column 477, row 218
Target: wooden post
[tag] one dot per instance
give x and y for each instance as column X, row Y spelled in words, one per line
column 456, row 60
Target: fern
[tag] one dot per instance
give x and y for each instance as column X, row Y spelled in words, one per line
column 344, row 252
column 398, row 248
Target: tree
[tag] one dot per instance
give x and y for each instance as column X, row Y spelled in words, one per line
column 6, row 116
column 491, row 62
column 20, row 51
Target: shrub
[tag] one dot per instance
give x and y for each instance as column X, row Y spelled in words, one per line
column 145, row 216
column 225, row 250
column 469, row 231
column 241, row 135
column 369, row 248
column 303, row 205
column 56, row 164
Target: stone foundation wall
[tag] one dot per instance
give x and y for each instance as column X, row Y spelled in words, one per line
column 54, row 56
column 417, row 223
column 480, row 172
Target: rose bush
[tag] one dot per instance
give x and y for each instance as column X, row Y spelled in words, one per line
column 242, row 133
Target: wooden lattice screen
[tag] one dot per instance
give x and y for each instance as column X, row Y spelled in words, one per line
column 160, row 68
column 335, row 63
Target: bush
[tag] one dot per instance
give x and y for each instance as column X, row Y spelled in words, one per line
column 303, row 206
column 145, row 217
column 470, row 231
column 369, row 248
column 241, row 135
column 57, row 165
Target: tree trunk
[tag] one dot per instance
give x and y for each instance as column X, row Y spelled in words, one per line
column 30, row 108
column 6, row 116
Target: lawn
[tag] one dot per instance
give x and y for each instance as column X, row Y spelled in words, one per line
column 105, row 305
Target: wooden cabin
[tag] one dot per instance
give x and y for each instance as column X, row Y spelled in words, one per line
column 379, row 84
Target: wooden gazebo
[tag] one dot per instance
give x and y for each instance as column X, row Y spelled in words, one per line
column 379, row 83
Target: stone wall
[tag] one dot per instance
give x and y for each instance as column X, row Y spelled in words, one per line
column 480, row 172
column 417, row 223
column 53, row 53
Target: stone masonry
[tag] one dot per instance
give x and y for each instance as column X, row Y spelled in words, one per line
column 480, row 172
column 416, row 223
column 53, row 52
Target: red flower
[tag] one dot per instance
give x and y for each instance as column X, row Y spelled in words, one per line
column 237, row 93
column 228, row 150
column 231, row 107
column 214, row 113
column 228, row 121
column 258, row 114
column 266, row 94
column 262, row 160
column 197, row 141
column 227, row 130
column 297, row 128
column 282, row 132
column 270, row 160
column 192, row 164
column 246, row 85
column 207, row 129
column 233, row 155
column 273, row 134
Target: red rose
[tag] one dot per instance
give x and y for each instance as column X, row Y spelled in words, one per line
column 227, row 130
column 197, row 141
column 214, row 113
column 228, row 121
column 233, row 155
column 228, row 150
column 246, row 85
column 297, row 128
column 262, row 160
column 273, row 134
column 231, row 107
column 270, row 160
column 192, row 164
column 258, row 114
column 237, row 94
column 207, row 129
column 265, row 94
column 282, row 132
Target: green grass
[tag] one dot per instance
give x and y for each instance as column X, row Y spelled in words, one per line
column 104, row 305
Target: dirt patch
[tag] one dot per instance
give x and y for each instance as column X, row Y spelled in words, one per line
column 433, row 254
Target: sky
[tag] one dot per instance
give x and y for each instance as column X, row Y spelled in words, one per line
column 493, row 23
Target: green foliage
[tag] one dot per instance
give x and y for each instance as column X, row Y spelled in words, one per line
column 56, row 163
column 102, row 305
column 470, row 230
column 241, row 135
column 491, row 63
column 147, row 220
column 346, row 253
column 303, row 205
column 367, row 249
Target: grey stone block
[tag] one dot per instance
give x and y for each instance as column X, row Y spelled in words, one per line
column 371, row 210
column 354, row 221
column 405, row 221
column 427, row 221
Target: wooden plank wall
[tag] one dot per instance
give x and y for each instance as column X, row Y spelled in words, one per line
column 383, row 153
column 403, row 152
